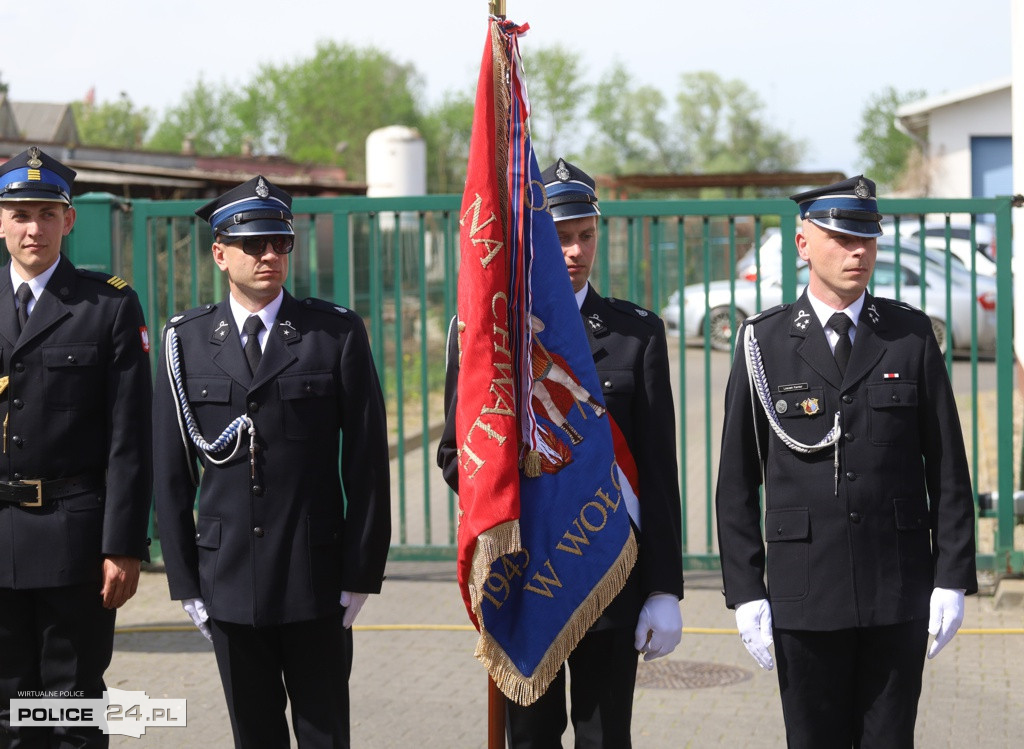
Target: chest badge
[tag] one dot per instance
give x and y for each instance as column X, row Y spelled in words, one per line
column 810, row 406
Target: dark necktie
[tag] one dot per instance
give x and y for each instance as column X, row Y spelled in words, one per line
column 24, row 295
column 253, row 352
column 841, row 323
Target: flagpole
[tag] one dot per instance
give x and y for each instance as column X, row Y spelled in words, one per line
column 495, row 716
column 495, row 699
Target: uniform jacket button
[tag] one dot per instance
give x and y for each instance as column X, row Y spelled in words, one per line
column 854, row 517
column 848, row 436
column 847, row 398
column 851, row 476
column 19, row 367
column 258, row 532
column 254, row 406
column 17, row 440
column 257, row 490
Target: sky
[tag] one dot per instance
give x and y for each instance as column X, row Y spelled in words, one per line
column 814, row 66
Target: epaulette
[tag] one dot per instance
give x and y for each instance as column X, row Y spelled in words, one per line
column 108, row 278
column 764, row 314
column 632, row 310
column 189, row 314
column 901, row 305
column 323, row 305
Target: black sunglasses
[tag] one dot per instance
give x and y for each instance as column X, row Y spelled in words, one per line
column 257, row 245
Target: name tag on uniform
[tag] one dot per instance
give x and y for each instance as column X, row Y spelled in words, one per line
column 796, row 386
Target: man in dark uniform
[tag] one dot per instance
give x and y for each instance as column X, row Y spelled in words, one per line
column 631, row 356
column 75, row 478
column 869, row 516
column 260, row 390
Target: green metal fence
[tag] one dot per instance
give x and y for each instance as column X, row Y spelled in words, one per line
column 395, row 262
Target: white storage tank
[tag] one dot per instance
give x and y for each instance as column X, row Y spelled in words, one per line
column 396, row 162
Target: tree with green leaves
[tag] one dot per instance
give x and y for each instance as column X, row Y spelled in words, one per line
column 324, row 107
column 446, row 129
column 722, row 128
column 630, row 133
column 116, row 124
column 317, row 110
column 203, row 119
column 885, row 151
column 557, row 94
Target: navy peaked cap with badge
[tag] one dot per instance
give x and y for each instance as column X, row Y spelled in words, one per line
column 253, row 208
column 33, row 175
column 848, row 207
column 570, row 191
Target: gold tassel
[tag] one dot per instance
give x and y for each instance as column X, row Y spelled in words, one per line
column 531, row 464
column 524, row 690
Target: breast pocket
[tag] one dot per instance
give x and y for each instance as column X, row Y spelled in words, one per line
column 893, row 411
column 210, row 400
column 71, row 376
column 307, row 404
column 805, row 417
column 618, row 387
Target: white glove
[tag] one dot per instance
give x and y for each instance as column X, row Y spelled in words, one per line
column 754, row 621
column 352, row 603
column 197, row 610
column 660, row 626
column 946, row 615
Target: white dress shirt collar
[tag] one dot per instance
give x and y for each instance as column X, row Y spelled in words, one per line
column 268, row 315
column 823, row 312
column 37, row 284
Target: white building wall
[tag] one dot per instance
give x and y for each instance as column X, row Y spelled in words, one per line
column 950, row 129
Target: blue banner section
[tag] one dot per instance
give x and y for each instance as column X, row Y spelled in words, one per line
column 573, row 521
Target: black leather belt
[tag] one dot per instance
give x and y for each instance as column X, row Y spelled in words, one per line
column 37, row 492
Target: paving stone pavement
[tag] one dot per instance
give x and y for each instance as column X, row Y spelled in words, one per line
column 416, row 684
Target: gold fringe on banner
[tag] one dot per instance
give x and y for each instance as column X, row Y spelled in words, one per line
column 525, row 690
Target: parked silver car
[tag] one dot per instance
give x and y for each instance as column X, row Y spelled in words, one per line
column 716, row 316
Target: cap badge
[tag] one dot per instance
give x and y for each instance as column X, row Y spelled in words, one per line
column 562, row 172
column 861, row 190
column 34, row 162
column 262, row 190
column 810, row 406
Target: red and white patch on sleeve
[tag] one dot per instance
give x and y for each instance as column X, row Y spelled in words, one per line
column 144, row 335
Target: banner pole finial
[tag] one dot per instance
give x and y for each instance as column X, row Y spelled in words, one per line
column 497, row 8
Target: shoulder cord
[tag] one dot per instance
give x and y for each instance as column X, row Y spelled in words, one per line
column 759, row 385
column 187, row 421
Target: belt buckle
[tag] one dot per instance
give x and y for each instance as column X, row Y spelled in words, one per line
column 38, row 501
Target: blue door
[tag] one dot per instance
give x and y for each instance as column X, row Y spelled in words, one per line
column 991, row 172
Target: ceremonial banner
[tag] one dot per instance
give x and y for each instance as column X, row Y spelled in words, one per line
column 544, row 536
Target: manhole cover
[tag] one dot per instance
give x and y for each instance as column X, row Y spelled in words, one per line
column 687, row 675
